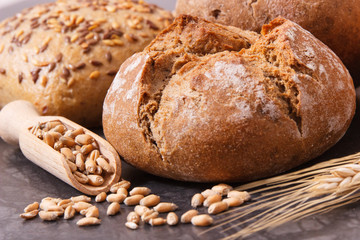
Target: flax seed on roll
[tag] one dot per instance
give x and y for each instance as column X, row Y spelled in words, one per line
column 207, row 102
column 63, row 56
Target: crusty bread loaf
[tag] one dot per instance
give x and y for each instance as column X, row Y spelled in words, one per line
column 206, row 102
column 63, row 56
column 335, row 22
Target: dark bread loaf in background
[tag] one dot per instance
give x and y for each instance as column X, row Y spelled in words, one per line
column 63, row 56
column 192, row 107
column 334, row 22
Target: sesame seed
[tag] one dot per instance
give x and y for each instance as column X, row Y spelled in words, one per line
column 44, row 81
column 94, row 75
column 2, row 71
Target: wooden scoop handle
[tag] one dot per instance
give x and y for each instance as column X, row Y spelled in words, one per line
column 14, row 117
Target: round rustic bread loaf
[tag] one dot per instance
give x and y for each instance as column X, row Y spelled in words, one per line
column 335, row 22
column 63, row 56
column 206, row 102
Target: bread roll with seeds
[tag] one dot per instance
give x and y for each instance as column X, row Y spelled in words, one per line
column 206, row 102
column 334, row 22
column 63, row 56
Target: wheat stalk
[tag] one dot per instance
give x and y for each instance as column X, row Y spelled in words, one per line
column 293, row 196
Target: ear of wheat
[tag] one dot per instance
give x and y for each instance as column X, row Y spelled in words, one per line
column 293, row 196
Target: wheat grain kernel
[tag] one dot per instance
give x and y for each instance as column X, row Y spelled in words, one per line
column 67, row 141
column 197, row 200
column 91, row 212
column 90, row 165
column 140, row 210
column 222, row 188
column 59, row 128
column 164, row 207
column 208, row 192
column 202, row 220
column 68, row 154
column 344, row 183
column 69, row 212
column 95, row 180
column 150, row 200
column 239, row 194
column 187, row 216
column 356, row 179
column 218, row 207
column 80, row 198
column 212, row 199
column 122, row 184
column 343, row 172
column 64, row 203
column 30, row 214
column 150, row 214
column 31, row 207
column 48, row 216
column 116, row 198
column 80, row 177
column 104, row 164
column 84, row 139
column 113, row 209
column 49, row 139
column 78, row 206
column 80, row 162
column 133, row 217
column 122, row 191
column 133, row 200
column 98, row 170
column 46, row 203
column 87, row 221
column 140, row 190
column 233, row 202
column 157, row 221
column 100, row 197
column 131, row 225
column 172, row 219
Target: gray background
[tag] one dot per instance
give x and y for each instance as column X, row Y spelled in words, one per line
column 22, row 182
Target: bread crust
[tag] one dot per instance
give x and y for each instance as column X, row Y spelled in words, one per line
column 336, row 23
column 267, row 105
column 63, row 56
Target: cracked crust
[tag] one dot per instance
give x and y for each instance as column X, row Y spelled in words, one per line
column 336, row 23
column 205, row 102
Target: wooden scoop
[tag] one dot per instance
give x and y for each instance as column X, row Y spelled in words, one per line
column 16, row 120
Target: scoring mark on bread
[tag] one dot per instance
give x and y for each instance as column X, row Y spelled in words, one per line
column 168, row 55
